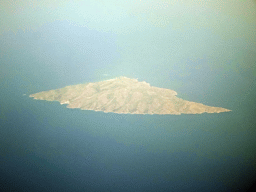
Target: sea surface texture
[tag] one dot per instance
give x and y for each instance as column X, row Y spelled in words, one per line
column 126, row 63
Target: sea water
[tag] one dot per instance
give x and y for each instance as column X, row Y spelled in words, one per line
column 47, row 147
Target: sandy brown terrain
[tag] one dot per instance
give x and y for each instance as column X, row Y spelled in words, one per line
column 124, row 95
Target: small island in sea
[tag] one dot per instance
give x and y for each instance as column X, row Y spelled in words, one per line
column 124, row 95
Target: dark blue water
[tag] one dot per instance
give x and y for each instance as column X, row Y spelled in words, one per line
column 46, row 147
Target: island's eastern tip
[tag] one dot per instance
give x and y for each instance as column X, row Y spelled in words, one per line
column 125, row 95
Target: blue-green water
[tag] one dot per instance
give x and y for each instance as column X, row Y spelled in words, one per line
column 46, row 147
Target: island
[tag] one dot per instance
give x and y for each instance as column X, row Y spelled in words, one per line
column 124, row 96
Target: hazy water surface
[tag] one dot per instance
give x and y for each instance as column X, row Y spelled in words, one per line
column 46, row 147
